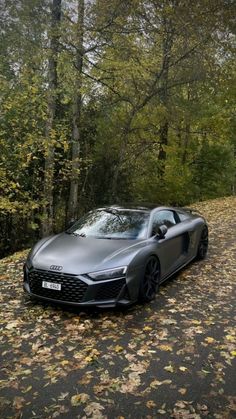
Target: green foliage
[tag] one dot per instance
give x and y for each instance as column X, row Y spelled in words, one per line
column 214, row 170
column 145, row 65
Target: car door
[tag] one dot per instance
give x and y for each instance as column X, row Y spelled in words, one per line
column 189, row 232
column 172, row 248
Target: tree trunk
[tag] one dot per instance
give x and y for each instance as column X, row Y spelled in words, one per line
column 187, row 134
column 121, row 157
column 163, row 143
column 233, row 187
column 47, row 225
column 164, row 127
column 186, row 143
column 76, row 118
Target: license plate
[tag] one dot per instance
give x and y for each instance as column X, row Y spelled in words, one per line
column 51, row 285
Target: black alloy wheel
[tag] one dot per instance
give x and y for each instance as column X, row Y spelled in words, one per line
column 203, row 244
column 151, row 279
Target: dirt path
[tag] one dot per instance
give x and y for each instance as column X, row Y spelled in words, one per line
column 173, row 358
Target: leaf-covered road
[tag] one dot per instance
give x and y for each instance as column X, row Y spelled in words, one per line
column 173, row 358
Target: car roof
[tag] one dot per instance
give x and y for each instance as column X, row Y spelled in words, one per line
column 149, row 208
column 135, row 207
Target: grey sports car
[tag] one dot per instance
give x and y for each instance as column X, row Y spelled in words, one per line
column 115, row 255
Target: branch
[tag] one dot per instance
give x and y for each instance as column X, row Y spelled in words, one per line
column 100, row 81
column 185, row 55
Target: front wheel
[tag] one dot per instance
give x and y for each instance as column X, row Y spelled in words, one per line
column 203, row 244
column 151, row 279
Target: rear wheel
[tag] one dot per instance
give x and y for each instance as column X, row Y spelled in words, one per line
column 203, row 244
column 150, row 281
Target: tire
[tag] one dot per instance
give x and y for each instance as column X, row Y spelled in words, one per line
column 150, row 281
column 203, row 244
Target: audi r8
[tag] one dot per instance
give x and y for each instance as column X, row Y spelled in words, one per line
column 115, row 255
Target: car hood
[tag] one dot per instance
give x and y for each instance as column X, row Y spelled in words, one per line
column 79, row 255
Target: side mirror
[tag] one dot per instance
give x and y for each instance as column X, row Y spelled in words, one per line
column 161, row 231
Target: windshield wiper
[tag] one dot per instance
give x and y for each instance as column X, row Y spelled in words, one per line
column 76, row 234
column 103, row 237
column 110, row 238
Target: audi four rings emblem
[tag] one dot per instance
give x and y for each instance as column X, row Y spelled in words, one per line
column 56, row 267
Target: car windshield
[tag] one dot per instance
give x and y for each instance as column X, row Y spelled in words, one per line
column 112, row 224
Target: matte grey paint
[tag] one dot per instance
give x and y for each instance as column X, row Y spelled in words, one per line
column 80, row 256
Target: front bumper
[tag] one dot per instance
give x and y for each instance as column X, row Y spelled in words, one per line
column 76, row 290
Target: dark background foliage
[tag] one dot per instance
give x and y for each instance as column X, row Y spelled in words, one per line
column 104, row 102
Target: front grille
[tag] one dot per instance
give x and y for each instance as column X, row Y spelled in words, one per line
column 72, row 289
column 110, row 290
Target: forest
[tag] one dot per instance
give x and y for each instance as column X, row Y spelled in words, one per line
column 108, row 102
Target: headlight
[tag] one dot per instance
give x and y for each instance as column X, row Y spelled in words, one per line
column 108, row 273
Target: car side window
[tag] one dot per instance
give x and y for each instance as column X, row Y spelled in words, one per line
column 167, row 217
column 183, row 216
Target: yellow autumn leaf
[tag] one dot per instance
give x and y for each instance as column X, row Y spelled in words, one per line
column 77, row 399
column 64, row 362
column 209, row 339
column 233, row 353
column 95, row 352
column 156, row 383
column 183, row 369
column 169, row 368
column 230, row 338
column 27, row 389
column 165, row 348
column 12, row 325
column 147, row 329
column 150, row 404
column 118, row 348
column 166, row 382
column 27, row 372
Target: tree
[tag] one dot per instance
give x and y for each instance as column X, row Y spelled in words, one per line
column 106, row 104
column 54, row 34
column 76, row 115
